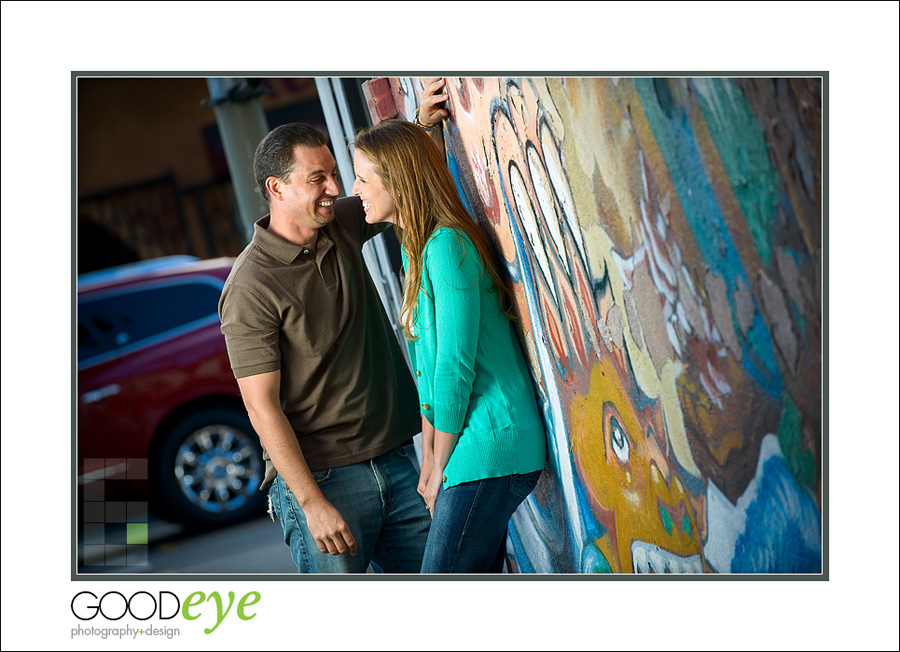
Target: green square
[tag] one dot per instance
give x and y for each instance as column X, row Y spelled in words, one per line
column 137, row 533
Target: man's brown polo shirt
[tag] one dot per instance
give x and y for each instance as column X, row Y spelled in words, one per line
column 315, row 315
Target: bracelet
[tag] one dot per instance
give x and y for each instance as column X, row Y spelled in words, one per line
column 431, row 128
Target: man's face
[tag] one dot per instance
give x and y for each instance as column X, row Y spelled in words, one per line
column 309, row 196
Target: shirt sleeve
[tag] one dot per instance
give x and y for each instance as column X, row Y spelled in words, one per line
column 411, row 347
column 454, row 268
column 351, row 214
column 251, row 330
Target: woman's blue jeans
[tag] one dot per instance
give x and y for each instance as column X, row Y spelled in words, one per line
column 379, row 503
column 468, row 532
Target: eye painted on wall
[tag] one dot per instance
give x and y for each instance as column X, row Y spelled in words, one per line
column 618, row 440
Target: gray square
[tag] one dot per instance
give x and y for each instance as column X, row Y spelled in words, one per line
column 94, row 490
column 94, row 533
column 137, row 512
column 137, row 468
column 94, row 512
column 93, row 555
column 115, row 468
column 115, row 512
column 115, row 555
column 136, row 556
column 96, row 464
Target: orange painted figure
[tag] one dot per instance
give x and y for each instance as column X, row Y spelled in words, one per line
column 634, row 490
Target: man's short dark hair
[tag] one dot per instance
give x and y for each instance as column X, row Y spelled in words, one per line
column 275, row 154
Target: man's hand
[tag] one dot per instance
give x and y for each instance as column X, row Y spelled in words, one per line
column 329, row 529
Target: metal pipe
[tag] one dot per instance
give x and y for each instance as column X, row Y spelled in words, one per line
column 335, row 131
column 374, row 251
column 388, row 276
column 242, row 124
column 344, row 109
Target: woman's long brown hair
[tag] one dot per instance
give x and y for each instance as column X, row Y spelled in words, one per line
column 413, row 170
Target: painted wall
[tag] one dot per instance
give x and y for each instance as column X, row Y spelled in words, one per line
column 665, row 241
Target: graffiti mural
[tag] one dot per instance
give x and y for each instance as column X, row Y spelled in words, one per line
column 663, row 237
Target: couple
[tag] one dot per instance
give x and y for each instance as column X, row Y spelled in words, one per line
column 326, row 386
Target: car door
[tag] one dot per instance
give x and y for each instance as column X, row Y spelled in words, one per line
column 106, row 426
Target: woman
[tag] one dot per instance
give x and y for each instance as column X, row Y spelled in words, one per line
column 483, row 437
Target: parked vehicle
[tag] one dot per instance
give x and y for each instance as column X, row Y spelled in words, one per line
column 159, row 410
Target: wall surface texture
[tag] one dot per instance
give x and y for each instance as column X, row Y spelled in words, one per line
column 664, row 237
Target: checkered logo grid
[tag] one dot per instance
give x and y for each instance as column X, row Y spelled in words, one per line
column 114, row 532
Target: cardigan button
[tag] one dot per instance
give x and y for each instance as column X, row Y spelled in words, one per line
column 425, row 406
column 418, row 373
column 445, row 479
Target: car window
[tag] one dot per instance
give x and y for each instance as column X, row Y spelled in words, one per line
column 127, row 319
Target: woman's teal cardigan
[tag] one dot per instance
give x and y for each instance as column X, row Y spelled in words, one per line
column 471, row 373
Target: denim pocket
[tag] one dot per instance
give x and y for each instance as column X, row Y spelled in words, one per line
column 522, row 484
column 275, row 499
column 321, row 476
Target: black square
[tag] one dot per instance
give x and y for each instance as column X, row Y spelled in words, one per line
column 116, row 533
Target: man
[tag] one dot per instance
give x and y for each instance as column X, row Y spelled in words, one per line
column 320, row 371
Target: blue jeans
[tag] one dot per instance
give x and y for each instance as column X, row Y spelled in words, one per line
column 379, row 503
column 468, row 533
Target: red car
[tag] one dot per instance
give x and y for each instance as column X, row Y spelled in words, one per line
column 159, row 410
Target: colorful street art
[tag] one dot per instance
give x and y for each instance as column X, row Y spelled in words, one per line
column 664, row 239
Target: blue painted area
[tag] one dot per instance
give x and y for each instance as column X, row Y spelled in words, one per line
column 453, row 165
column 676, row 141
column 783, row 532
column 801, row 323
column 590, row 526
column 759, row 359
column 594, row 561
column 743, row 151
column 519, row 553
column 798, row 317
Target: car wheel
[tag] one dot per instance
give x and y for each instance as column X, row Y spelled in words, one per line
column 209, row 469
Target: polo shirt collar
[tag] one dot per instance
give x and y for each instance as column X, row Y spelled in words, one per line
column 284, row 251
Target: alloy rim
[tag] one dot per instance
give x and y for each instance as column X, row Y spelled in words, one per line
column 218, row 468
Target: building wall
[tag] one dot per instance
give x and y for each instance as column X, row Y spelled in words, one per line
column 664, row 239
column 152, row 175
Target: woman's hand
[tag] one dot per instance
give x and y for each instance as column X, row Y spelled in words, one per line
column 433, row 487
column 427, row 455
column 425, row 474
column 430, row 111
column 444, row 443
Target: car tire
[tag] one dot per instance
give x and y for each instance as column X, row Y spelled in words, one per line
column 209, row 470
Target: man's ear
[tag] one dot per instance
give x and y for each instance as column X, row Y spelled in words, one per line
column 274, row 186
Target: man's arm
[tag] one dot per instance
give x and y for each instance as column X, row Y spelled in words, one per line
column 325, row 522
